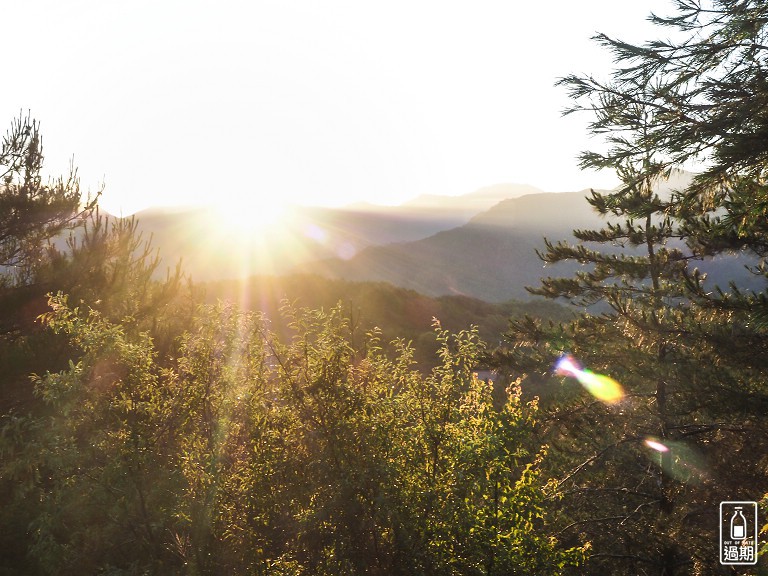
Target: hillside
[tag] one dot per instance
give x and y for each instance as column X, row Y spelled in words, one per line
column 397, row 312
column 492, row 257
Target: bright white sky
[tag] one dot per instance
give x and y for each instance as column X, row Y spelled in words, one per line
column 319, row 102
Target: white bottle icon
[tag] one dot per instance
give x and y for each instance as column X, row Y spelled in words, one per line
column 738, row 525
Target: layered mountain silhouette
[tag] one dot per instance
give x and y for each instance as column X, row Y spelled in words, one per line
column 481, row 245
column 307, row 234
column 491, row 257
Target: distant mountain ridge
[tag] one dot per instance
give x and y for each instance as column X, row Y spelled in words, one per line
column 417, row 218
column 474, row 202
column 482, row 245
column 491, row 257
column 308, row 234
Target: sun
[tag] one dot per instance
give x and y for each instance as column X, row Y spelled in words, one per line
column 251, row 218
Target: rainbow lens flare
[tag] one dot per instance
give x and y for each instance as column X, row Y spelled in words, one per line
column 602, row 387
column 678, row 460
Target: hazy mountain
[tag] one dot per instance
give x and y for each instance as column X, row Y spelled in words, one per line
column 481, row 245
column 209, row 250
column 493, row 256
column 472, row 203
column 370, row 224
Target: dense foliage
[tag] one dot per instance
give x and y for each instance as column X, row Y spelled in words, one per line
column 144, row 431
column 255, row 455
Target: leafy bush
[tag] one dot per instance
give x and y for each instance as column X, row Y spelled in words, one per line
column 249, row 453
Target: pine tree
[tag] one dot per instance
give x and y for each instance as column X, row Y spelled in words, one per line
column 706, row 89
column 642, row 477
column 32, row 211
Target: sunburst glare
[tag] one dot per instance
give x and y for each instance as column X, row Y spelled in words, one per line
column 250, row 219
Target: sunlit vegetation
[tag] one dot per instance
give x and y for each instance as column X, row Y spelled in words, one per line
column 255, row 455
column 147, row 431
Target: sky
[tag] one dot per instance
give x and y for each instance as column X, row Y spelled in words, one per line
column 328, row 102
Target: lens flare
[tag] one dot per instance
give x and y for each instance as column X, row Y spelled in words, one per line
column 679, row 460
column 602, row 387
column 568, row 366
column 655, row 445
column 316, row 233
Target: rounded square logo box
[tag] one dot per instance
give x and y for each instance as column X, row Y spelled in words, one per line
column 738, row 533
